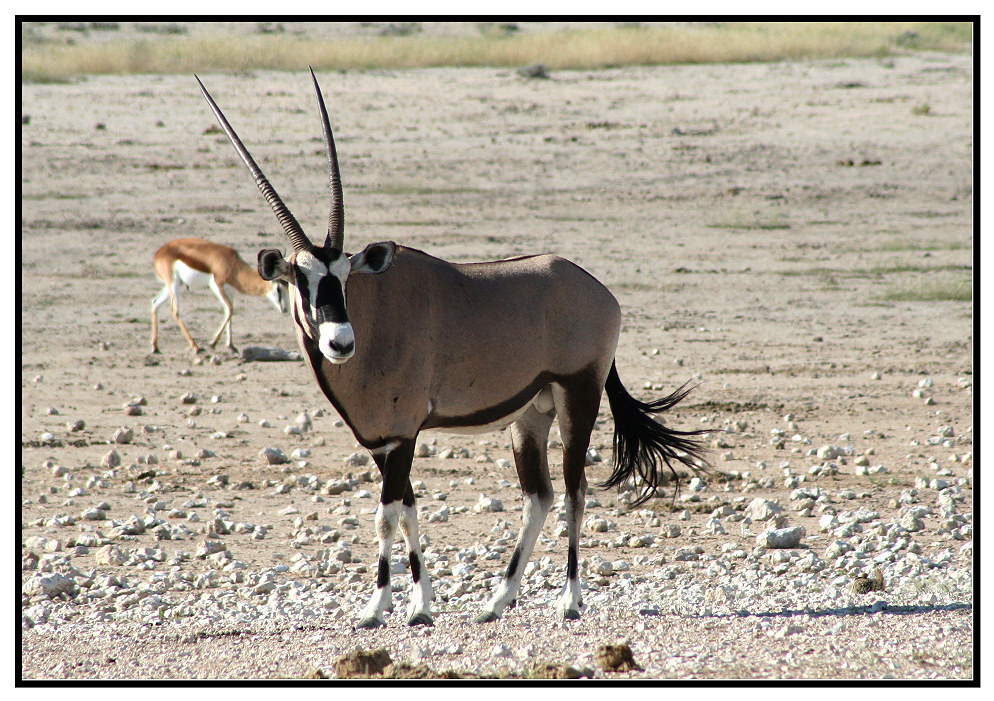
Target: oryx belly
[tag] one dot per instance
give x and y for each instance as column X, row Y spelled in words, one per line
column 542, row 401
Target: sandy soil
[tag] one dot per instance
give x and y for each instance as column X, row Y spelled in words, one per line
column 751, row 219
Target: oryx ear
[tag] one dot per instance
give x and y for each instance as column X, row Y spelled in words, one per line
column 375, row 258
column 272, row 265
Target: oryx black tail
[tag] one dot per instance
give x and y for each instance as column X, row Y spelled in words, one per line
column 642, row 444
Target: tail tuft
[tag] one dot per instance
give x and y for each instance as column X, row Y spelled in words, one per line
column 641, row 442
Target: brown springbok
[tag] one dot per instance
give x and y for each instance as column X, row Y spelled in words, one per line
column 199, row 263
column 401, row 342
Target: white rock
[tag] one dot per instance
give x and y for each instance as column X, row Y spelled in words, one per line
column 273, row 456
column 501, row 650
column 424, row 450
column 781, row 537
column 762, row 509
column 596, row 525
column 487, row 504
column 714, row 527
column 303, row 420
column 789, row 629
column 829, row 452
column 357, row 460
column 50, row 585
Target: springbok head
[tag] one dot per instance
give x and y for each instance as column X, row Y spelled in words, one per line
column 315, row 274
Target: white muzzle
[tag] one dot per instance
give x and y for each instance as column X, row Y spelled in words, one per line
column 336, row 341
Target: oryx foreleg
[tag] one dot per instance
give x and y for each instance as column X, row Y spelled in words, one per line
column 529, row 439
column 419, row 610
column 395, row 467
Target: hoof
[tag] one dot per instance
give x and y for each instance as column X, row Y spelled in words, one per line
column 420, row 619
column 486, row 617
column 371, row 622
column 571, row 614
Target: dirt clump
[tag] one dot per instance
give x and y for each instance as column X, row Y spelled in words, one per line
column 616, row 658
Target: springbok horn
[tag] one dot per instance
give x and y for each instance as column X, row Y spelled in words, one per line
column 336, row 219
column 290, row 225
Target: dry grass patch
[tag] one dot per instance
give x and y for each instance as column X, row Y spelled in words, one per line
column 557, row 50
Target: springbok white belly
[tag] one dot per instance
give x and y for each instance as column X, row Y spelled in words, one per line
column 190, row 277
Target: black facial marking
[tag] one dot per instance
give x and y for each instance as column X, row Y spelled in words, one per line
column 304, row 288
column 383, row 573
column 415, row 566
column 330, row 301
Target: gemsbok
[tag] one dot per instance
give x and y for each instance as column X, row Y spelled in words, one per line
column 199, row 263
column 401, row 342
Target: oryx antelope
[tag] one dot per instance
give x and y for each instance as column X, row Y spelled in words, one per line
column 199, row 263
column 401, row 342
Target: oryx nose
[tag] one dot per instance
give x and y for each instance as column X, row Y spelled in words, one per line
column 336, row 341
column 342, row 348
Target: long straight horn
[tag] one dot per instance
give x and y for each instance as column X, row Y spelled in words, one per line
column 290, row 225
column 336, row 217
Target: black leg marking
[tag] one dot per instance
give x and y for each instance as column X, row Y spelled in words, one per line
column 415, row 566
column 532, row 467
column 383, row 573
column 396, row 470
column 512, row 566
column 571, row 563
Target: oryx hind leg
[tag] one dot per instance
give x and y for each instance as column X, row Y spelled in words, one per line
column 529, row 439
column 577, row 403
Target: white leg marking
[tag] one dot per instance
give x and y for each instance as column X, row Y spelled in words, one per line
column 569, row 602
column 533, row 518
column 226, row 324
column 160, row 298
column 387, row 516
column 419, row 610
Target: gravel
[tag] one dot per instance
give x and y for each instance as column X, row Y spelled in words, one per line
column 181, row 599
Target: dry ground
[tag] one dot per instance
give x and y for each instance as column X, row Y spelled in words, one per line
column 766, row 228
